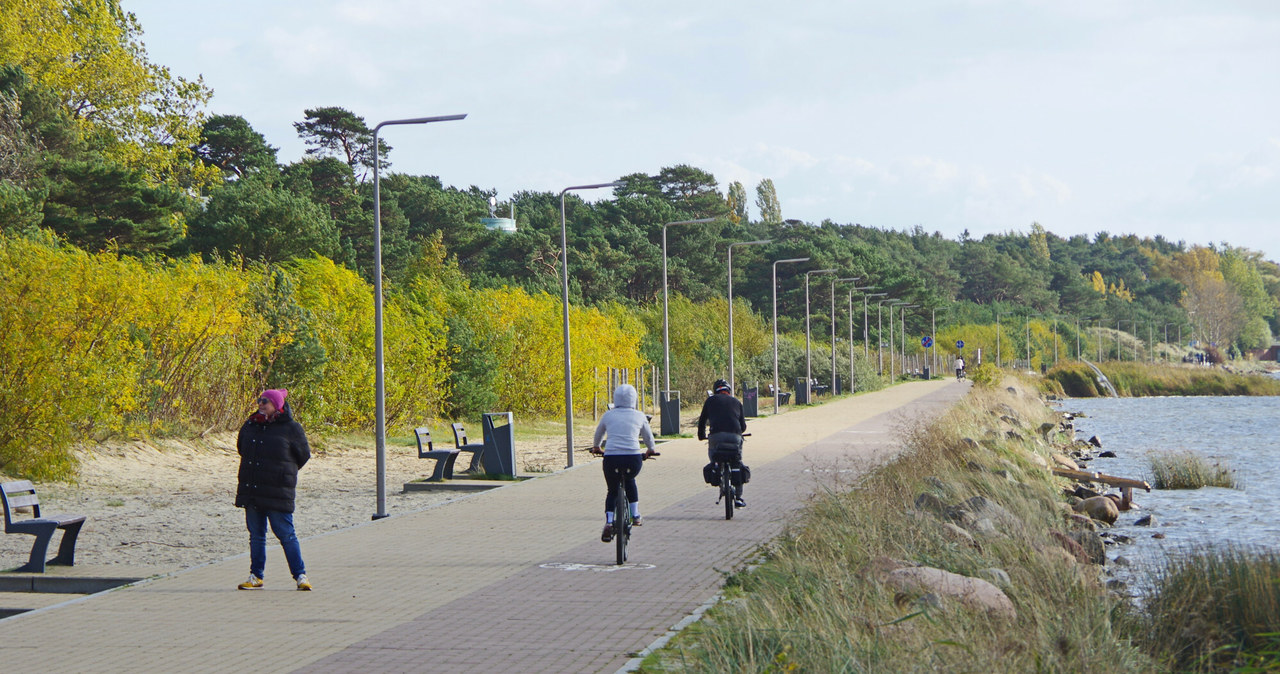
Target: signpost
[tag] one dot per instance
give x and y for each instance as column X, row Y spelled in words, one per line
column 926, row 341
column 959, row 343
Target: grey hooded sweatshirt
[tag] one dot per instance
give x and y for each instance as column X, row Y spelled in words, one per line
column 624, row 424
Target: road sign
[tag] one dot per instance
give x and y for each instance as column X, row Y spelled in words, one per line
column 926, row 341
column 959, row 343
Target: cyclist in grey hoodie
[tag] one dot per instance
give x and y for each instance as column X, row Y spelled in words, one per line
column 626, row 426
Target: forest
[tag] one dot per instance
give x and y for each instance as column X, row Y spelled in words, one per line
column 160, row 263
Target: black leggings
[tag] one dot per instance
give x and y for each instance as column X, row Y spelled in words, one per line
column 630, row 465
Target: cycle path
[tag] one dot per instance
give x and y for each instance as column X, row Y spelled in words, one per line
column 514, row 579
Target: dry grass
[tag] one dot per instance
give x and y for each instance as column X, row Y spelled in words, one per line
column 1188, row 470
column 1217, row 608
column 817, row 604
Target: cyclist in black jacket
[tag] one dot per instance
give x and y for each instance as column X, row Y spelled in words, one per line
column 723, row 413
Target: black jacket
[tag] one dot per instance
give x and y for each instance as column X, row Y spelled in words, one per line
column 724, row 413
column 271, row 453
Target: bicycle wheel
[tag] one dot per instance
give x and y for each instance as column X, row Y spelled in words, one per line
column 621, row 521
column 726, row 490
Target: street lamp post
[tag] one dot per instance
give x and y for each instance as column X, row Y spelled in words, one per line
column 732, row 381
column 902, row 315
column 892, row 304
column 866, row 322
column 864, row 329
column 776, row 389
column 808, row 373
column 380, row 384
column 667, row 423
column 564, row 303
column 999, row 359
column 880, row 332
column 833, row 326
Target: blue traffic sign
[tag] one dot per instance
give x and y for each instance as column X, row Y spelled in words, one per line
column 959, row 343
column 926, row 341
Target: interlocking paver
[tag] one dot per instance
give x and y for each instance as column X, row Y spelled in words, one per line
column 479, row 584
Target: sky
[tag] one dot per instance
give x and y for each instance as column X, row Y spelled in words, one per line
column 1141, row 116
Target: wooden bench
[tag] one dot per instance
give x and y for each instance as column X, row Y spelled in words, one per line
column 21, row 493
column 783, row 398
column 476, row 449
column 444, row 457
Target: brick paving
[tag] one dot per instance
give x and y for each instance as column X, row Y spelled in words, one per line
column 514, row 579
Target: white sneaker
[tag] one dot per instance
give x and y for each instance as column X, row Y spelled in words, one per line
column 303, row 583
column 253, row 583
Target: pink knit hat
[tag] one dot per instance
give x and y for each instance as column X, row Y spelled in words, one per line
column 276, row 396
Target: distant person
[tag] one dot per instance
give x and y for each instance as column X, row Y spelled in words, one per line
column 272, row 448
column 723, row 414
column 959, row 367
column 625, row 427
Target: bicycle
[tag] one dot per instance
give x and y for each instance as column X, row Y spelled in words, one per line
column 724, row 462
column 622, row 511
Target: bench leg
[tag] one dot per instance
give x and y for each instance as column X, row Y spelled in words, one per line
column 443, row 469
column 67, row 548
column 475, row 462
column 39, row 550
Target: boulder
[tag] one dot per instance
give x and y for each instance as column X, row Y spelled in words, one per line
column 1072, row 546
column 1121, row 560
column 1146, row 521
column 1046, row 428
column 974, row 593
column 1095, row 441
column 998, row 577
column 959, row 535
column 1157, row 535
column 1099, row 508
column 1092, row 545
column 929, row 503
column 1116, row 585
column 969, row 443
column 1064, row 461
column 1083, row 521
column 1011, row 420
column 1107, row 455
column 1037, row 459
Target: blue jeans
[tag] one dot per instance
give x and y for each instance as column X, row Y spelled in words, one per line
column 282, row 526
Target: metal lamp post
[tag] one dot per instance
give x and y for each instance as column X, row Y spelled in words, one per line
column 866, row 322
column 999, row 359
column 776, row 389
column 380, row 384
column 902, row 316
column 732, row 381
column 808, row 373
column 880, row 331
column 864, row 329
column 666, row 336
column 833, row 326
column 892, row 304
column 564, row 298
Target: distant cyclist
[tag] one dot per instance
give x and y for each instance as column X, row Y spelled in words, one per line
column 626, row 426
column 959, row 367
column 723, row 413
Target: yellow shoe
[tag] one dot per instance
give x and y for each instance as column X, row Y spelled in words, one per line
column 303, row 583
column 253, row 583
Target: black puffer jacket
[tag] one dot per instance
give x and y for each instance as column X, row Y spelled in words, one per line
column 271, row 452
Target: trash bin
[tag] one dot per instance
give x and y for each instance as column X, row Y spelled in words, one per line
column 802, row 391
column 499, row 454
column 927, row 373
column 750, row 401
column 835, row 385
column 669, row 408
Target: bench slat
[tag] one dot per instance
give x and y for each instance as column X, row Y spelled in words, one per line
column 19, row 501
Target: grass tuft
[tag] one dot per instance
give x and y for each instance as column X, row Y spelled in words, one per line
column 1188, row 470
column 1216, row 608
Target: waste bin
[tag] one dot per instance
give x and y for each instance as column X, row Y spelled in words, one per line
column 750, row 401
column 499, row 454
column 669, row 408
column 835, row 385
column 802, row 391
column 927, row 373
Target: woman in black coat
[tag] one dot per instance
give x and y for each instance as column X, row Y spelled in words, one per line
column 272, row 448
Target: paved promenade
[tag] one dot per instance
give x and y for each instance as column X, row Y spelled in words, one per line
column 514, row 579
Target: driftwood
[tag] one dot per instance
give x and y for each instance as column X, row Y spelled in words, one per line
column 1101, row 477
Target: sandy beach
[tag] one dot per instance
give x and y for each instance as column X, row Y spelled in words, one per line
column 168, row 504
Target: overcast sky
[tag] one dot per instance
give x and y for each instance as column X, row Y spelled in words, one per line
column 1151, row 117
